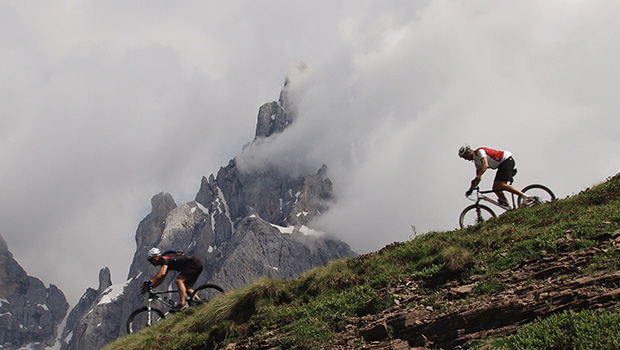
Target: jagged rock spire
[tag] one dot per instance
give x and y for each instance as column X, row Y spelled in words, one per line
column 274, row 117
column 243, row 225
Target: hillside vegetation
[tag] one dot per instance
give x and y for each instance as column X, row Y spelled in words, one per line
column 543, row 277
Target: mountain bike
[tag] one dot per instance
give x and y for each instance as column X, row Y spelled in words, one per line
column 477, row 213
column 148, row 315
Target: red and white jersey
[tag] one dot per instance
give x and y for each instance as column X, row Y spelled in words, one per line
column 494, row 157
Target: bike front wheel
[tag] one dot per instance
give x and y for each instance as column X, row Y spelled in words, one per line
column 475, row 214
column 540, row 194
column 204, row 293
column 142, row 318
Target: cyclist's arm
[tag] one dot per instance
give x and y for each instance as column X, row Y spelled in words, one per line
column 484, row 165
column 159, row 277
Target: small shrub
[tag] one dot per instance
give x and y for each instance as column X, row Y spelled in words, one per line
column 489, row 286
column 455, row 258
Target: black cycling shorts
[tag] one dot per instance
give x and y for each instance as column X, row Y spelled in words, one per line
column 505, row 170
column 192, row 271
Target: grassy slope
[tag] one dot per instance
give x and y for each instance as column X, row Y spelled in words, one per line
column 310, row 311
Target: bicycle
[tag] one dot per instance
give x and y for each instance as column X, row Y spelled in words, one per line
column 477, row 213
column 148, row 315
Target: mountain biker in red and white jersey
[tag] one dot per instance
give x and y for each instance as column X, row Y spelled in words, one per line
column 488, row 158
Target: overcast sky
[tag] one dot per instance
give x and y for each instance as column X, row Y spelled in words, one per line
column 106, row 103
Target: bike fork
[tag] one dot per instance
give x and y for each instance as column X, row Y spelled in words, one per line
column 149, row 317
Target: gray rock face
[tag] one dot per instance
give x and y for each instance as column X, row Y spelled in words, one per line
column 243, row 225
column 29, row 312
column 92, row 309
column 259, row 248
column 271, row 119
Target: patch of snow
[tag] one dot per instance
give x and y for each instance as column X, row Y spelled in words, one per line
column 220, row 201
column 304, row 229
column 202, row 207
column 211, row 249
column 113, row 292
column 43, row 306
column 3, row 301
column 282, row 229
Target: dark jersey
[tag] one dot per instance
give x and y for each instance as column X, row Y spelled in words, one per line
column 179, row 262
column 190, row 266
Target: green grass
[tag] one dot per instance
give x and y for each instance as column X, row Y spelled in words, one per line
column 310, row 311
column 584, row 330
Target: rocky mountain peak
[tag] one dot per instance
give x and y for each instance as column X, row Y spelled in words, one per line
column 105, row 279
column 243, row 225
column 274, row 117
column 150, row 229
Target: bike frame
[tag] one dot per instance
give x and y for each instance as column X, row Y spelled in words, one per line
column 155, row 296
column 481, row 196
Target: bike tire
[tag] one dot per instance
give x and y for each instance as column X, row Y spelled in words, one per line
column 139, row 319
column 475, row 214
column 204, row 293
column 541, row 193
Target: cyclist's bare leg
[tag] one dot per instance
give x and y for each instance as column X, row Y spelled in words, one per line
column 182, row 289
column 504, row 186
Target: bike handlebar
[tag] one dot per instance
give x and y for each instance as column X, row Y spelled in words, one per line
column 470, row 191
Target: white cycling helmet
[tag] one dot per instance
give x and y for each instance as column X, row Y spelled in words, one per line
column 153, row 253
column 463, row 150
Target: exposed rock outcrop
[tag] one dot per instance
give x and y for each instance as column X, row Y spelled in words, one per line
column 535, row 288
column 29, row 312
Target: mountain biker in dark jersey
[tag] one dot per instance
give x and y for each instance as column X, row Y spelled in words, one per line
column 488, row 158
column 189, row 266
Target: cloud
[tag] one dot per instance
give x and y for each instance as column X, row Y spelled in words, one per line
column 108, row 103
column 391, row 106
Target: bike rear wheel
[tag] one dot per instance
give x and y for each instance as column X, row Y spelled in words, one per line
column 204, row 293
column 475, row 214
column 142, row 318
column 540, row 193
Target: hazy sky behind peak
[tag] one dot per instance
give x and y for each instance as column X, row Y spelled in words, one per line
column 106, row 103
